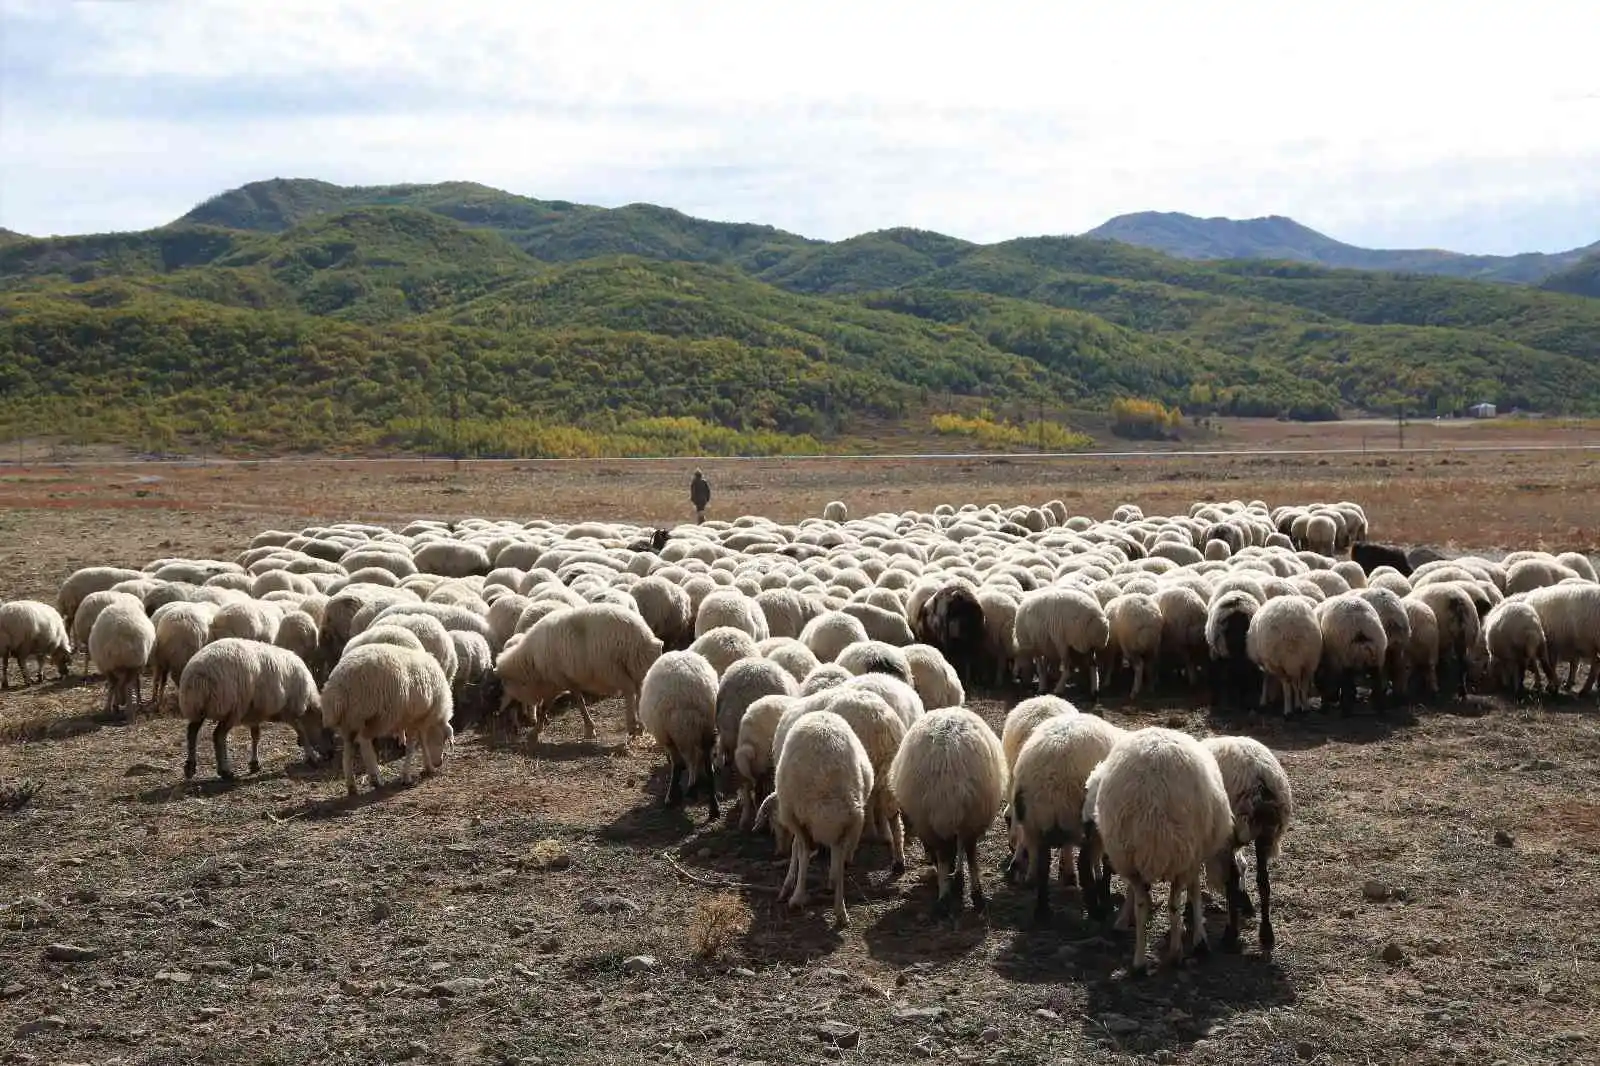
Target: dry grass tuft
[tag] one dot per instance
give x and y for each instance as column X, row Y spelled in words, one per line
column 718, row 924
column 15, row 795
column 549, row 854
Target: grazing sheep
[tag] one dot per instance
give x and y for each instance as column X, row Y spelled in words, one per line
column 297, row 633
column 452, row 558
column 795, row 658
column 433, row 635
column 81, row 583
column 120, row 643
column 880, row 624
column 1135, row 622
column 593, row 651
column 1160, row 814
column 89, row 609
column 752, row 754
column 826, row 676
column 729, row 608
column 1516, row 641
column 1234, row 673
column 678, row 707
column 1046, row 794
column 1263, row 805
column 724, row 646
column 1059, row 626
column 836, row 511
column 182, row 629
column 822, row 789
column 1570, row 614
column 949, row 777
column 666, row 609
column 250, row 620
column 1024, row 718
column 1370, row 556
column 1354, row 644
column 741, row 685
column 1397, row 632
column 881, row 729
column 829, row 634
column 1183, row 631
column 952, row 621
column 381, row 690
column 933, row 677
column 1285, row 641
column 1458, row 630
column 875, row 657
column 235, row 682
column 30, row 629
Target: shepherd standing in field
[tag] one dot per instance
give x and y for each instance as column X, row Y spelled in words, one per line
column 699, row 495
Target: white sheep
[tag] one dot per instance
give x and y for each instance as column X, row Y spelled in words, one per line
column 1459, row 628
column 235, row 682
column 745, row 682
column 1160, row 814
column 1228, row 622
column 120, row 643
column 433, row 635
column 593, row 651
column 1422, row 650
column 381, row 690
column 182, row 629
column 250, row 620
column 1354, row 645
column 1046, row 797
column 733, row 609
column 1024, row 718
column 88, row 610
column 1262, row 803
column 836, row 511
column 822, row 789
column 795, row 658
column 1135, row 621
column 875, row 657
column 949, row 778
column 452, row 558
column 1057, row 627
column 1570, row 615
column 1515, row 640
column 678, row 707
column 724, row 646
column 666, row 609
column 826, row 676
column 32, row 630
column 881, row 730
column 1396, row 631
column 1285, row 641
column 933, row 677
column 831, row 633
column 90, row 579
column 752, row 754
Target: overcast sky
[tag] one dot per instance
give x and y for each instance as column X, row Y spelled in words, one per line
column 1441, row 123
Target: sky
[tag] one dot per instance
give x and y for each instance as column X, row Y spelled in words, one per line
column 1459, row 124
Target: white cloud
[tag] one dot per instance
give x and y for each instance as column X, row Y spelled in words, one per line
column 1372, row 120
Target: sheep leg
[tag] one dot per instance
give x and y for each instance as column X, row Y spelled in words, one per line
column 747, row 805
column 1138, row 677
column 1264, row 887
column 1175, row 896
column 588, row 720
column 674, row 780
column 1126, row 916
column 1139, row 894
column 430, row 746
column 193, row 737
column 1236, row 905
column 158, row 686
column 219, row 742
column 1041, row 886
column 800, row 861
column 841, row 852
column 888, row 820
column 712, row 810
column 1198, row 942
column 1094, row 903
column 979, row 900
column 789, row 874
column 138, row 689
column 5, row 669
column 1588, row 685
column 942, row 862
column 369, row 757
column 349, row 763
column 255, row 749
column 1068, row 868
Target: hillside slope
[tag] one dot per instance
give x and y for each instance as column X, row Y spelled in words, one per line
column 1276, row 237
column 1580, row 279
column 567, row 331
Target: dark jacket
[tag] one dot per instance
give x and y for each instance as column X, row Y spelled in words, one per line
column 699, row 492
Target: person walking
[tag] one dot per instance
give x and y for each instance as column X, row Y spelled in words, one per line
column 700, row 496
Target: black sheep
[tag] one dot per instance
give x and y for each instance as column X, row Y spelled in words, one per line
column 1370, row 556
column 951, row 620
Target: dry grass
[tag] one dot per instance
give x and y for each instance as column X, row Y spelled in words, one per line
column 485, row 915
column 718, row 925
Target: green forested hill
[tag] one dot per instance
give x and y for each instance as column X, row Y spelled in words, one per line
column 305, row 315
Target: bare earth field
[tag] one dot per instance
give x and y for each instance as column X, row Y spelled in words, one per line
column 488, row 915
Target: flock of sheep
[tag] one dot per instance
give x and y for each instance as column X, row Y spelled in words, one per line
column 824, row 666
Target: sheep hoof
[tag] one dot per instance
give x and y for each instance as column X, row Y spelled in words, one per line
column 897, row 869
column 1268, row 940
column 713, row 811
column 255, row 766
column 1230, row 940
column 188, row 770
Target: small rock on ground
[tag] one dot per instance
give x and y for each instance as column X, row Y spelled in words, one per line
column 1503, row 839
column 611, row 905
column 1392, row 952
column 1375, row 891
column 839, row 1034
column 70, row 953
column 639, row 964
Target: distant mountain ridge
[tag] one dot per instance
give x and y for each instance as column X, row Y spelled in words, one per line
column 1277, row 237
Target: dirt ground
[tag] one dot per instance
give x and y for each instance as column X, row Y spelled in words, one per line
column 489, row 915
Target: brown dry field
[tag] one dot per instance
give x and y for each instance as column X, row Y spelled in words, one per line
column 275, row 921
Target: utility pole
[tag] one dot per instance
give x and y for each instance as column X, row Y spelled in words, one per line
column 1041, row 425
column 1400, row 424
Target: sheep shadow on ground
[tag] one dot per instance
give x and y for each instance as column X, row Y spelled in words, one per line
column 56, row 727
column 1305, row 730
column 207, row 787
column 910, row 933
column 650, row 824
column 343, row 804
